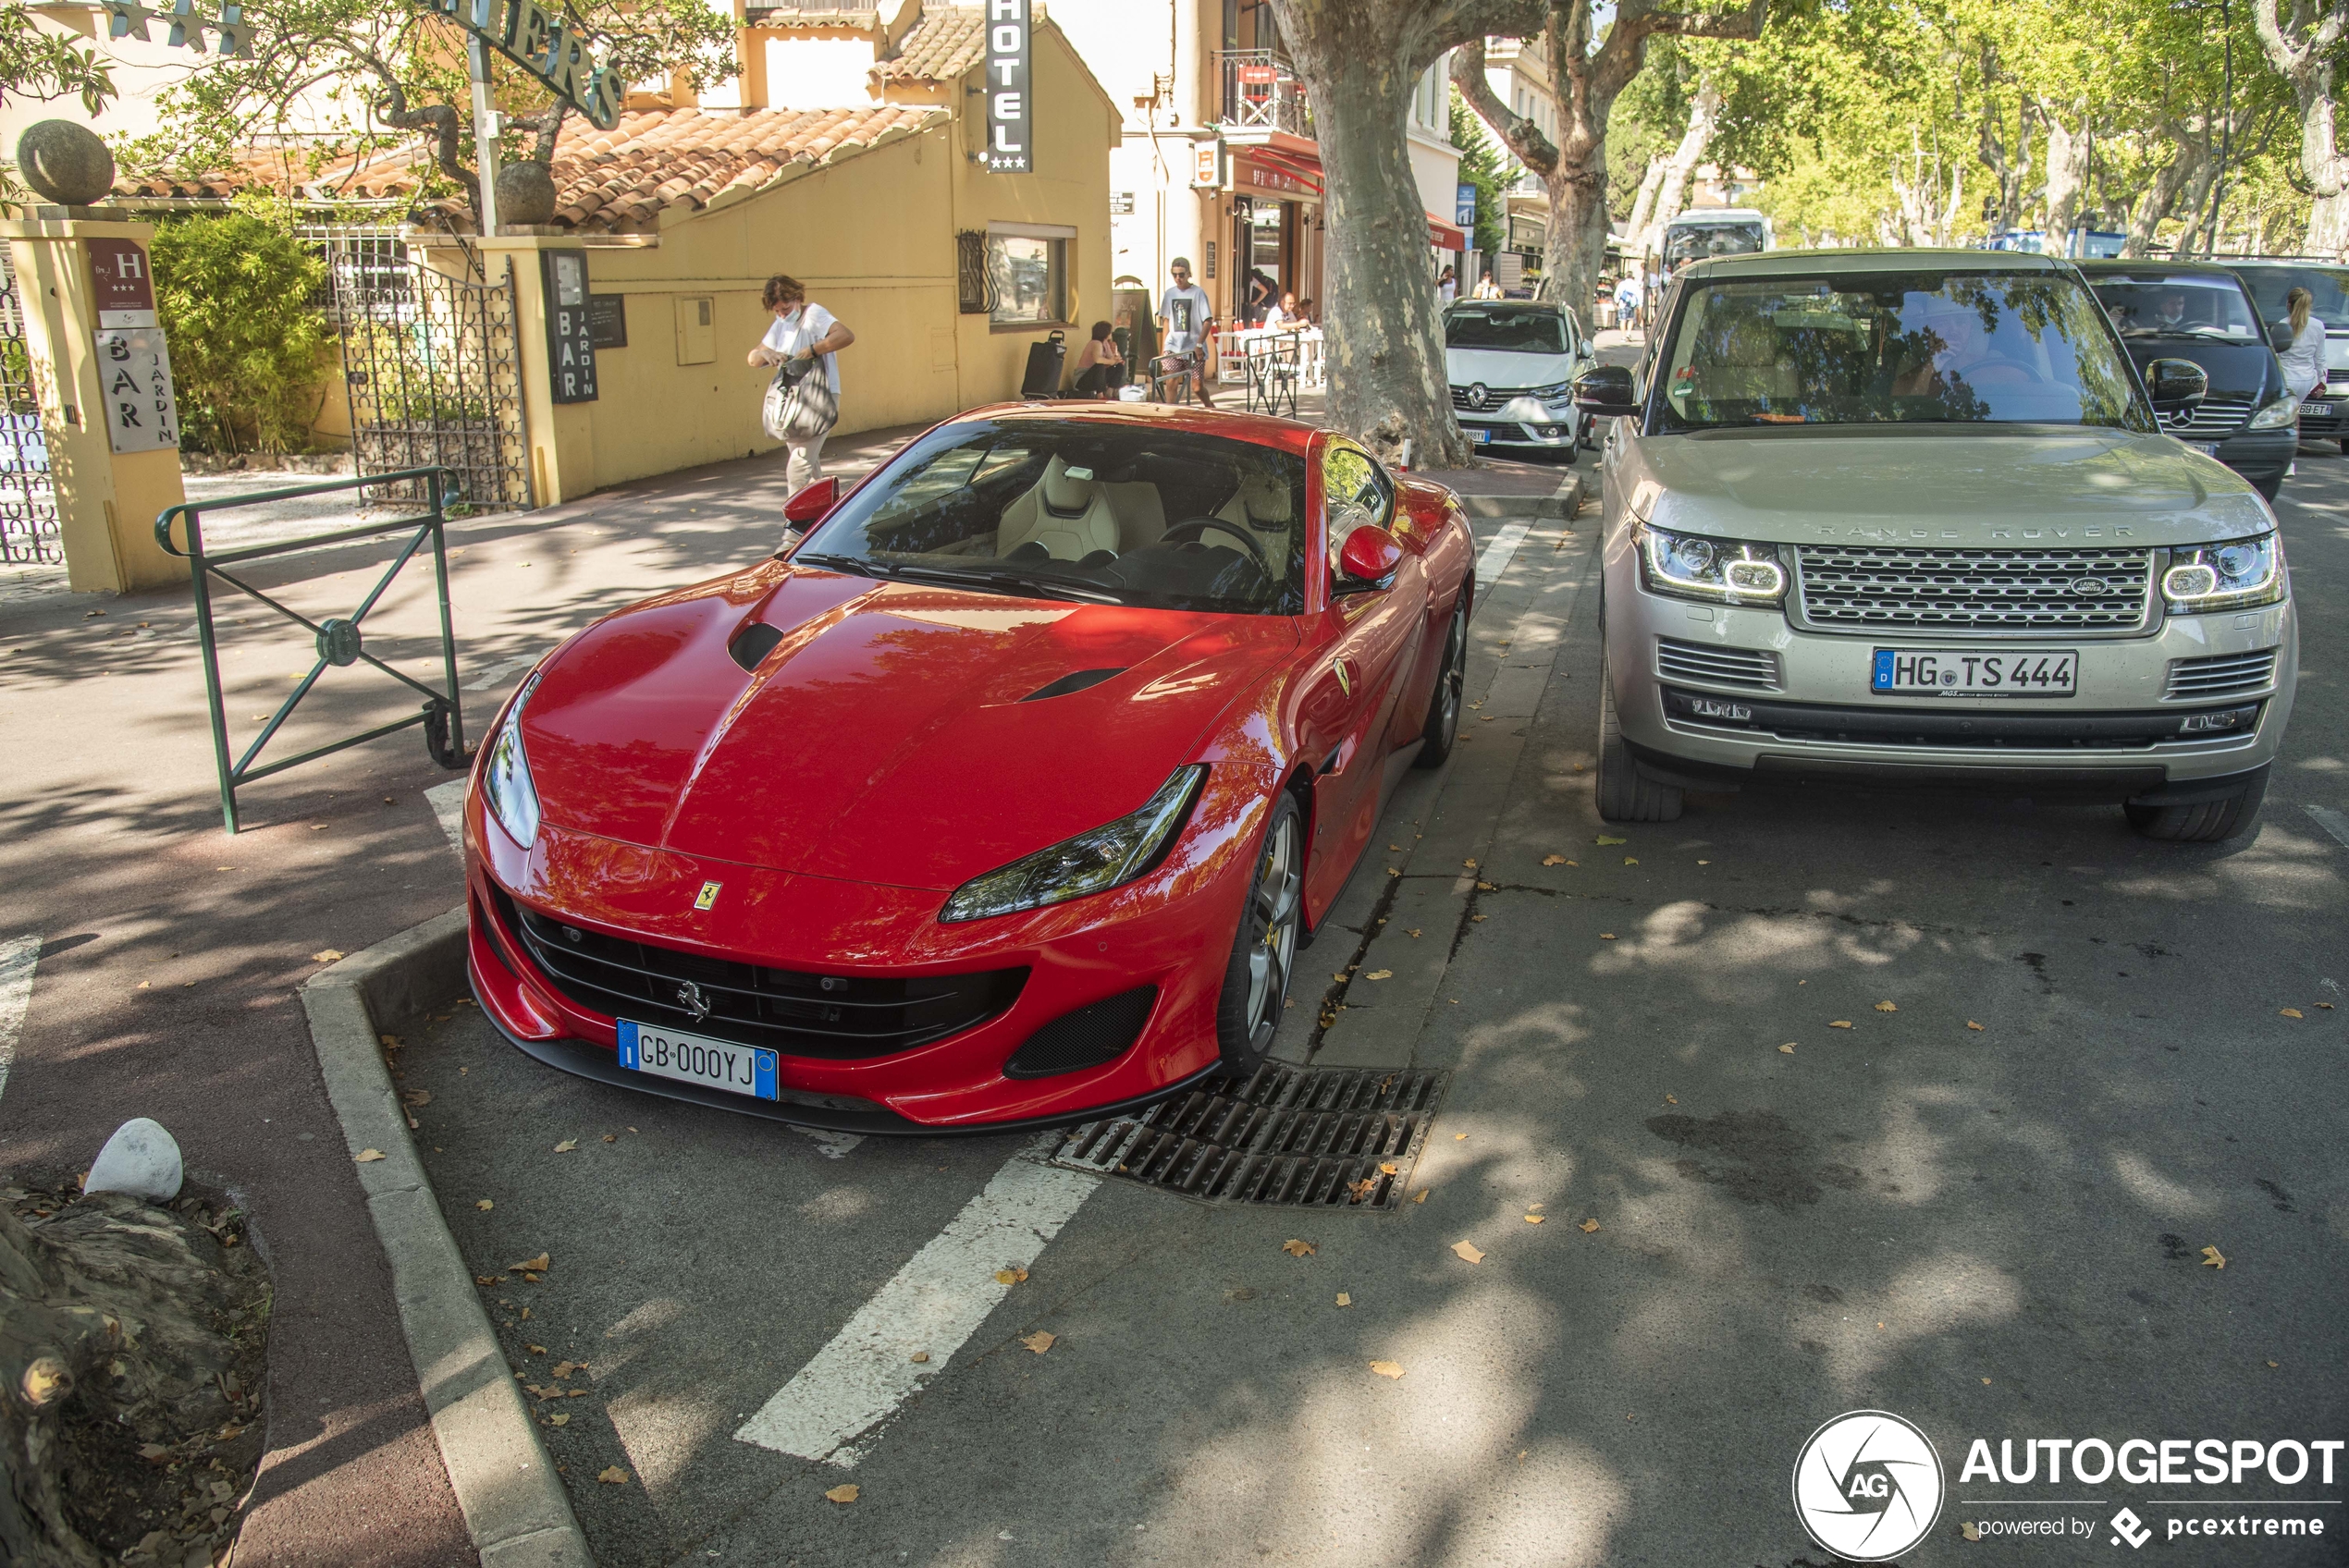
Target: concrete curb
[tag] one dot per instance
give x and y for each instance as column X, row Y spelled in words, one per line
column 514, row 1504
column 1562, row 504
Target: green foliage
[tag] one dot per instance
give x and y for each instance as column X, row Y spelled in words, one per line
column 248, row 349
column 1648, row 120
column 1484, row 166
column 34, row 63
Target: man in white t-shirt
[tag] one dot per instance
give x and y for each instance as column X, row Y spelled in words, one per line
column 1184, row 317
column 801, row 331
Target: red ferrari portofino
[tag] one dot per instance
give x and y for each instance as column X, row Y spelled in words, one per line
column 1005, row 797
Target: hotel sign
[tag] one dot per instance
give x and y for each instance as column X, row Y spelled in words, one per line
column 543, row 42
column 1007, row 83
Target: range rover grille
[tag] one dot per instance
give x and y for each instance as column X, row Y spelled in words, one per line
column 2028, row 593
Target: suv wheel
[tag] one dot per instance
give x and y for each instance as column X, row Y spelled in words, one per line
column 1625, row 793
column 2204, row 823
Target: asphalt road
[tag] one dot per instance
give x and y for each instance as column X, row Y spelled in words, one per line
column 1995, row 1232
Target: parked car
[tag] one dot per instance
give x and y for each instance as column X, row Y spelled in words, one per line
column 1007, row 797
column 1512, row 367
column 1909, row 515
column 2325, row 415
column 2248, row 419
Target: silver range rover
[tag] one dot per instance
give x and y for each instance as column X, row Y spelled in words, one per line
column 1909, row 515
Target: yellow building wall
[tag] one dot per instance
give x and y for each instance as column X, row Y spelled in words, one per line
column 873, row 239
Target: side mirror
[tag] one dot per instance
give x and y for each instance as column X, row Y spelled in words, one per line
column 811, row 506
column 2175, row 384
column 1367, row 561
column 1605, row 389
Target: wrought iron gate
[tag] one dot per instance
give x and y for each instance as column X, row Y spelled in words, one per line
column 28, row 506
column 433, row 366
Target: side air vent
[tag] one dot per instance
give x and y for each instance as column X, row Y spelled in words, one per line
column 754, row 642
column 2223, row 675
column 1088, row 1037
column 1077, row 680
column 1753, row 669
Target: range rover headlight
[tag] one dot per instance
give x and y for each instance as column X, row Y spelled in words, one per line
column 2240, row 572
column 2284, row 411
column 504, row 775
column 1093, row 862
column 1725, row 570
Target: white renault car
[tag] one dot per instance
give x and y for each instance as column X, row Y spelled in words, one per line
column 1512, row 365
column 1908, row 515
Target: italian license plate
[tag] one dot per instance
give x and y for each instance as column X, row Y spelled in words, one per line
column 2322, row 411
column 1959, row 672
column 696, row 1058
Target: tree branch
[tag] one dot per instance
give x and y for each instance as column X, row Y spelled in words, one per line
column 1524, row 138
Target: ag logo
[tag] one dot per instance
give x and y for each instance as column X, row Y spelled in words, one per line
column 1867, row 1485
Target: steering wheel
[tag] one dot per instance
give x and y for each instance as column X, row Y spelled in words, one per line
column 1189, row 529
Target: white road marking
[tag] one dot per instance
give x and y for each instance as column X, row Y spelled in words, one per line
column 834, row 1145
column 935, row 1304
column 16, row 958
column 449, row 805
column 484, row 679
column 1495, row 559
column 2331, row 821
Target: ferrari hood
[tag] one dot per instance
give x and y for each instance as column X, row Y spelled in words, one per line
column 894, row 733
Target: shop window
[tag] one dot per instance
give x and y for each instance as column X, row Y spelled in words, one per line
column 1028, row 275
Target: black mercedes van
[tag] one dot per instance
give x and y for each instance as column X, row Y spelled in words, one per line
column 2325, row 416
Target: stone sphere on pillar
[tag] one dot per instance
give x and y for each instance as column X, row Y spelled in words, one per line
column 525, row 192
column 68, row 163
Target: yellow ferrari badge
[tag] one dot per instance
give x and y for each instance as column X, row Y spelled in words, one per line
column 707, row 896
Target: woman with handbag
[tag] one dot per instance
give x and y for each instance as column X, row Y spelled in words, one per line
column 802, row 401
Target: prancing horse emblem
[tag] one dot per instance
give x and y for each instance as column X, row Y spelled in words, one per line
column 689, row 997
column 707, row 896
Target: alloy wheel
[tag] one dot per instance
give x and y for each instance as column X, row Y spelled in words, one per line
column 1275, row 907
column 1453, row 684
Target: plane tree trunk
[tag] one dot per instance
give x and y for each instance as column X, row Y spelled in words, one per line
column 2302, row 49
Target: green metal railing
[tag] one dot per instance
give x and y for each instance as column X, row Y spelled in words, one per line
column 340, row 640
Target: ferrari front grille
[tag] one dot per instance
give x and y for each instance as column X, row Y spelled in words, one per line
column 837, row 1017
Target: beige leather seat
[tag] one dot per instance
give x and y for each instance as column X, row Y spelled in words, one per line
column 1262, row 505
column 1140, row 513
column 1065, row 512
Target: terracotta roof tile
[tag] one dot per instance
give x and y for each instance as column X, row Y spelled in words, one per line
column 948, row 41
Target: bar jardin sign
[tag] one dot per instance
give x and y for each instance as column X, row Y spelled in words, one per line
column 541, row 42
column 1007, row 102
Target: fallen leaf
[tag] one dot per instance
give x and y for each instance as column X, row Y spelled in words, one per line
column 567, row 1145
column 418, row 1096
column 559, row 1420
column 484, row 1206
column 1484, row 887
column 611, row 1137
column 1466, row 1252
column 1010, row 1276
column 1479, row 918
column 367, row 1157
column 1588, row 1226
column 1886, row 1006
column 1973, row 1025
column 1985, row 1382
column 1605, row 840
column 1397, row 848
column 1470, row 863
column 1671, row 1099
column 1459, row 1137
column 1296, row 1248
column 1533, row 1219
column 389, row 1041
column 918, row 1357
column 1345, row 1300
column 1360, row 1192
column 1786, row 1049
column 1392, row 871
column 1422, row 1196
column 1531, row 1207
column 1387, row 1368
column 536, row 1350
column 842, row 1493
column 1705, row 862
column 1970, row 1530
column 2213, row 1258
column 2290, row 1013
column 1387, row 1167
column 1380, row 974
column 2272, row 1366
column 1840, row 1023
column 1630, row 860
column 2327, row 1006
column 1553, row 860
column 1606, row 935
column 1039, row 1342
column 539, row 1264
column 327, row 955
column 1412, row 932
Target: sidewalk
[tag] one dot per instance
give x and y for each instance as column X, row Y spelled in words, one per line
column 168, row 953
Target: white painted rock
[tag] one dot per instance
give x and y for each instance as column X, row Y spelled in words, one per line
column 141, row 1159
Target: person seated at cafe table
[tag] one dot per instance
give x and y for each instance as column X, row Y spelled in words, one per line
column 1101, row 369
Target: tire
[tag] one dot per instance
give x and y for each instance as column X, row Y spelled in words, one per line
column 2268, row 488
column 1255, row 981
column 1443, row 724
column 2206, row 822
column 1625, row 793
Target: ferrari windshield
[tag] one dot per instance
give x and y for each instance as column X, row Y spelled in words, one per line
column 1088, row 510
column 2184, row 305
column 1939, row 348
column 1521, row 329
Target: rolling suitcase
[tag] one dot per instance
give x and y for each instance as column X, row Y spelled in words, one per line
column 1045, row 361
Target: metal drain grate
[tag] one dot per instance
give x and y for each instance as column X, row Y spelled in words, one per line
column 1296, row 1136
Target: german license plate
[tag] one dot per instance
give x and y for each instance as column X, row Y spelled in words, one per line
column 2322, row 411
column 696, row 1058
column 1964, row 672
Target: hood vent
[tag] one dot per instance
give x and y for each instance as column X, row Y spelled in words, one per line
column 1077, row 680
column 754, row 642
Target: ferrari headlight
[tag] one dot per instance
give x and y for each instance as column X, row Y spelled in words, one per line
column 1723, row 569
column 2224, row 577
column 2284, row 411
column 504, row 775
column 1093, row 862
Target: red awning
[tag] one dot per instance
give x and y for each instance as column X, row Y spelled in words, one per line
column 1444, row 236
column 1307, row 171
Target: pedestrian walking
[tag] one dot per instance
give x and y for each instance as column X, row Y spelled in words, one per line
column 2304, row 362
column 802, row 401
column 1184, row 318
column 1101, row 369
column 1627, row 300
column 1447, row 287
